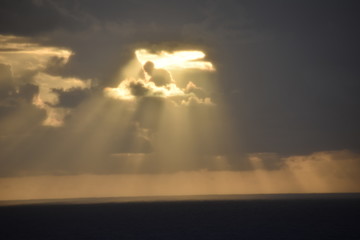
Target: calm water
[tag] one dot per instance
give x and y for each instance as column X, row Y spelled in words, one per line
column 329, row 216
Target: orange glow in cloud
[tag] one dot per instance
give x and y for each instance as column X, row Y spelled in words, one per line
column 23, row 56
column 189, row 59
column 123, row 91
column 166, row 62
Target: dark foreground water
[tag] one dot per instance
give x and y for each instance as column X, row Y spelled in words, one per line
column 232, row 217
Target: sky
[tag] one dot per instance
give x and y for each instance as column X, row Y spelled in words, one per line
column 262, row 97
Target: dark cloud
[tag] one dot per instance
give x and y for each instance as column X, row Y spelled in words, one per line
column 138, row 89
column 28, row 92
column 72, row 97
column 29, row 18
column 12, row 95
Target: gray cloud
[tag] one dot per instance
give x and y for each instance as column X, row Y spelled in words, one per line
column 138, row 89
column 43, row 16
column 13, row 96
column 7, row 86
column 72, row 97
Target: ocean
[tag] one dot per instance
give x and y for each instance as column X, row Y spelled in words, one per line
column 285, row 216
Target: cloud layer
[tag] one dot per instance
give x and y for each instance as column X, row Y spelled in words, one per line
column 323, row 172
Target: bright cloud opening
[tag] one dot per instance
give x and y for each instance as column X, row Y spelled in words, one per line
column 23, row 55
column 189, row 59
column 139, row 81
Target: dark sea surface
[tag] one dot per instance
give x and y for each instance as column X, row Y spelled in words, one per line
column 288, row 216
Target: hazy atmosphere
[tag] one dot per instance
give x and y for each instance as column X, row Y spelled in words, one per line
column 148, row 98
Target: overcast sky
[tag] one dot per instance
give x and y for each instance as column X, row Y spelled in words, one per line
column 287, row 76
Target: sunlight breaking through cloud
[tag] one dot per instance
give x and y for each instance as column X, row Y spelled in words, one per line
column 130, row 88
column 23, row 55
column 158, row 81
column 27, row 63
column 189, row 59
